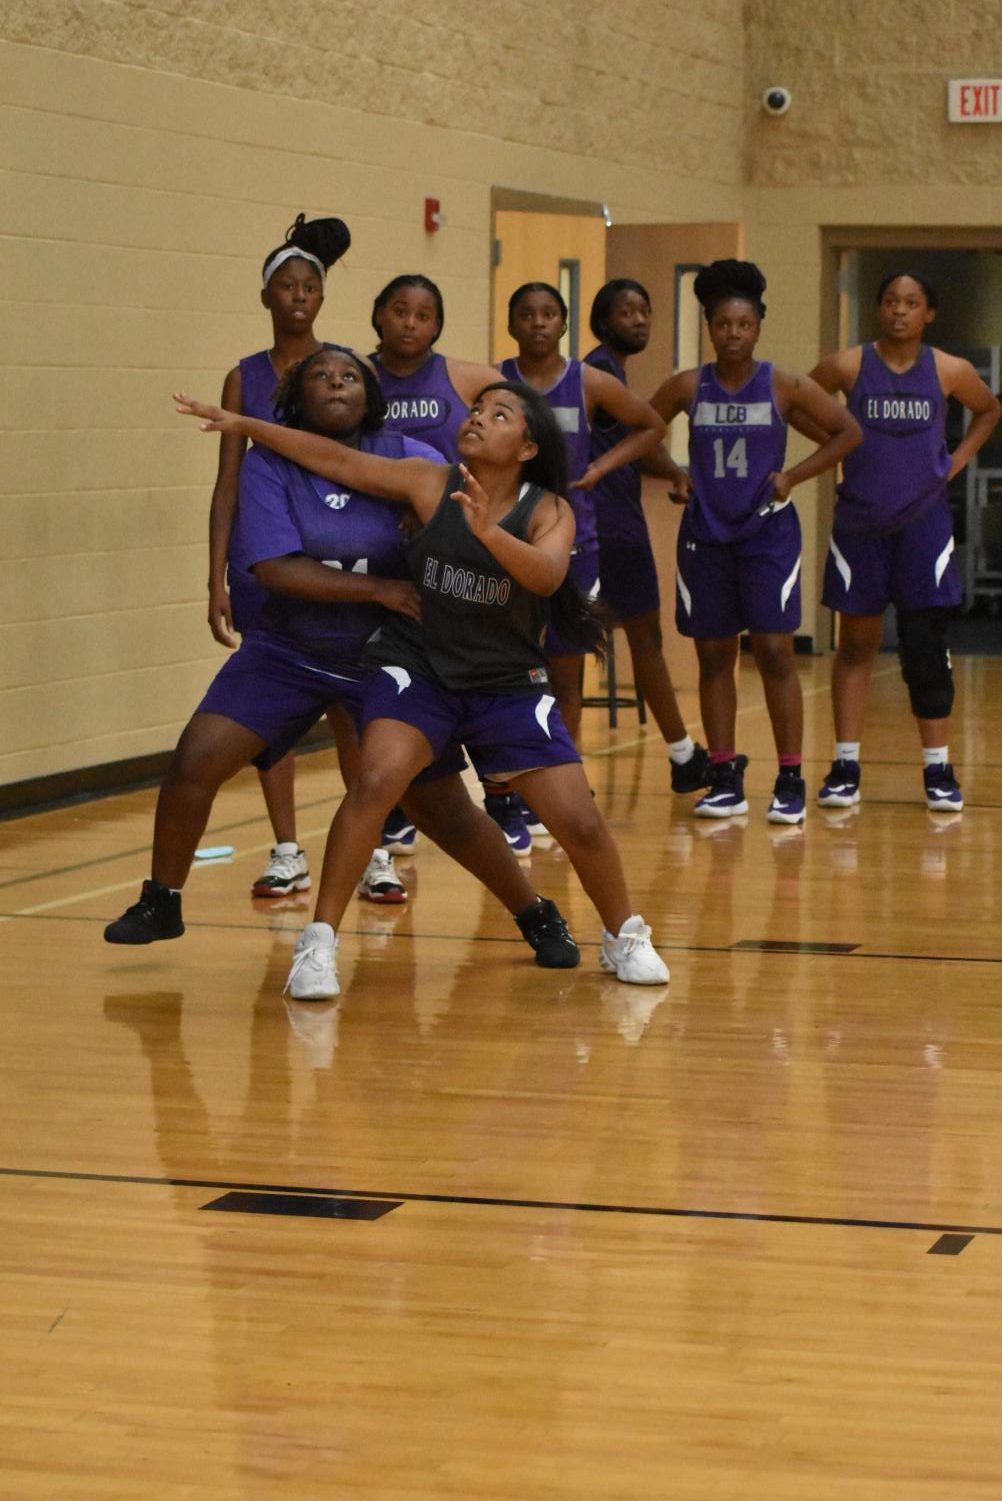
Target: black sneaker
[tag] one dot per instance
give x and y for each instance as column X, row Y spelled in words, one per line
column 693, row 774
column 840, row 788
column 157, row 914
column 505, row 809
column 544, row 929
column 789, row 798
column 727, row 791
column 942, row 790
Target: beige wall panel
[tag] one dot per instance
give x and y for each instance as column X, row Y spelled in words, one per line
column 80, row 724
column 862, row 144
column 869, row 93
column 39, row 526
column 151, row 156
column 100, row 583
column 87, row 646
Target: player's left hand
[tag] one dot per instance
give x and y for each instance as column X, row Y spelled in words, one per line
column 474, row 501
column 780, row 495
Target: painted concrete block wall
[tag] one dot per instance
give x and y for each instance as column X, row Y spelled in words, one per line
column 866, row 143
column 152, row 155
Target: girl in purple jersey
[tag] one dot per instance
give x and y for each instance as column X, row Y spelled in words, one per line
column 621, row 321
column 332, row 563
column 537, row 321
column 428, row 397
column 427, row 393
column 892, row 536
column 494, row 544
column 292, row 290
column 739, row 543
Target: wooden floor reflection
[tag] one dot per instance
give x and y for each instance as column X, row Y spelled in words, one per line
column 742, row 1237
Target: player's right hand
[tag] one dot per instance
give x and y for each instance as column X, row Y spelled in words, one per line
column 221, row 618
column 680, row 488
column 214, row 419
column 401, row 596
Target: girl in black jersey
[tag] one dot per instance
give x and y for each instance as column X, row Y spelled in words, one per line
column 475, row 671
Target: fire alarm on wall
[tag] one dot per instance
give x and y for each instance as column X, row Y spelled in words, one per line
column 432, row 215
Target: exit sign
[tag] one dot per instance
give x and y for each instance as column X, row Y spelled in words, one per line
column 975, row 101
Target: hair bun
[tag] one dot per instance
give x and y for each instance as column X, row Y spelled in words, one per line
column 327, row 239
column 723, row 279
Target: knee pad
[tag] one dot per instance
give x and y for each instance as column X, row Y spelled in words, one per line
column 925, row 661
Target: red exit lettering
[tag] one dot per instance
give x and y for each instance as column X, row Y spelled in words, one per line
column 979, row 101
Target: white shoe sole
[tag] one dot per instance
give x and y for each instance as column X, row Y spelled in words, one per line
column 383, row 898
column 839, row 800
column 320, row 990
column 775, row 815
column 706, row 812
column 301, row 883
column 625, row 979
column 944, row 807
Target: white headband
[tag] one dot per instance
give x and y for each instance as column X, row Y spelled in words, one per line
column 287, row 253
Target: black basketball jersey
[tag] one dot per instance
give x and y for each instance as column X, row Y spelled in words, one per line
column 480, row 631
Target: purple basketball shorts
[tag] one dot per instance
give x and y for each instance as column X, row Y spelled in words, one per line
column 629, row 582
column 501, row 732
column 723, row 588
column 279, row 693
column 913, row 569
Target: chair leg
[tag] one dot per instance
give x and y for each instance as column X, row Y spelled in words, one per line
column 610, row 678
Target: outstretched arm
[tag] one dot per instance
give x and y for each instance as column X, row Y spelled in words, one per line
column 603, row 390
column 417, row 482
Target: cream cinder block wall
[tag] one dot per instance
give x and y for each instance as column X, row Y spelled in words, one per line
column 152, row 155
column 866, row 143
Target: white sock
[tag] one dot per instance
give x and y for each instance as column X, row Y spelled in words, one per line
column 937, row 755
column 287, row 847
column 847, row 750
column 681, row 751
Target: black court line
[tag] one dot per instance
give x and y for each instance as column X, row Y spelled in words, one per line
column 144, row 849
column 304, row 1206
column 479, row 1201
column 791, row 946
column 779, row 948
column 950, row 1245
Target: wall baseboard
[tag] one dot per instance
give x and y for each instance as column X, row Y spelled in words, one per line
column 64, row 788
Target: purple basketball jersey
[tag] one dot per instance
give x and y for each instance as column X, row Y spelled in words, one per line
column 258, row 384
column 566, row 397
column 285, row 510
column 424, row 405
column 899, row 472
column 619, row 512
column 736, row 440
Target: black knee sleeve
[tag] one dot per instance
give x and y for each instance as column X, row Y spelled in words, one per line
column 925, row 661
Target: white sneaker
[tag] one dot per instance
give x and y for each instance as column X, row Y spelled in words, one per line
column 313, row 976
column 380, row 882
column 286, row 871
column 631, row 956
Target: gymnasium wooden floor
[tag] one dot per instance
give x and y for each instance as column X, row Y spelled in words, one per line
column 480, row 1231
